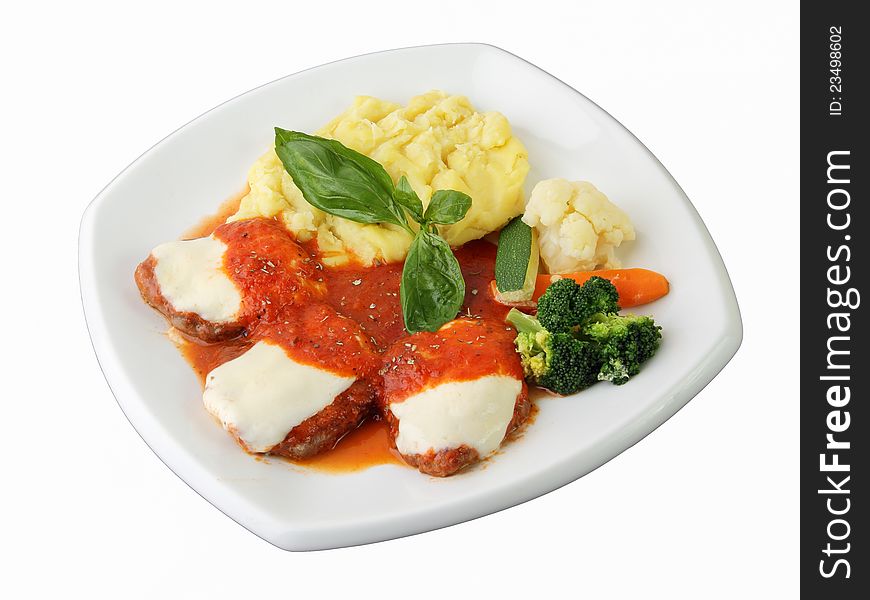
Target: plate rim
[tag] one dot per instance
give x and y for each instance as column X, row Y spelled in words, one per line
column 259, row 521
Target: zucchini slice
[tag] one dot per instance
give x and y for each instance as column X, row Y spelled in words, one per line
column 516, row 262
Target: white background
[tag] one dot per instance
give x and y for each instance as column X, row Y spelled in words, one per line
column 705, row 507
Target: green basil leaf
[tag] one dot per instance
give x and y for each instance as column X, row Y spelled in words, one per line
column 407, row 197
column 447, row 207
column 432, row 288
column 338, row 180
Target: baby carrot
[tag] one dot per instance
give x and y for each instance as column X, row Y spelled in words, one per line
column 635, row 286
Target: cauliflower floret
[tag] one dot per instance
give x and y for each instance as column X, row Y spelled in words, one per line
column 578, row 227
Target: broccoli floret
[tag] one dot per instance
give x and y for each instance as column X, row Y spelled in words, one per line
column 574, row 364
column 566, row 304
column 556, row 361
column 624, row 343
column 578, row 338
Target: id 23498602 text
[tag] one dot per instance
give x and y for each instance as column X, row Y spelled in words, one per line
column 835, row 87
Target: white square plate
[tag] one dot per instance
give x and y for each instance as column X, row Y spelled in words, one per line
column 188, row 174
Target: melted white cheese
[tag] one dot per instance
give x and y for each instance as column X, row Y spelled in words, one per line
column 263, row 394
column 191, row 277
column 475, row 413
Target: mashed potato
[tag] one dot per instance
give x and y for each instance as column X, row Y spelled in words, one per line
column 437, row 141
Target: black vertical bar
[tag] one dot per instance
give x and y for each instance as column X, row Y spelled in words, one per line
column 834, row 363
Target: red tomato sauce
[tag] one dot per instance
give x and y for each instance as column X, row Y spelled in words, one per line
column 370, row 295
column 468, row 349
column 270, row 269
column 316, row 334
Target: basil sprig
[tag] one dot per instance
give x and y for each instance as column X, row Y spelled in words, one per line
column 345, row 183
